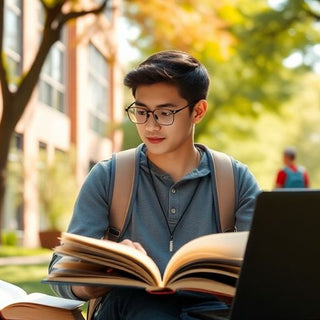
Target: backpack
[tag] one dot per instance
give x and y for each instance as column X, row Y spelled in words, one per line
column 294, row 179
column 125, row 166
column 125, row 169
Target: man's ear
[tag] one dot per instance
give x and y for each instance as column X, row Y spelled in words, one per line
column 199, row 111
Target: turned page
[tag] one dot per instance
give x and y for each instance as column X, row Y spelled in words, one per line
column 108, row 248
column 225, row 248
column 9, row 293
column 51, row 301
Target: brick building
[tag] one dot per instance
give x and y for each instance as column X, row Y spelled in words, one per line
column 76, row 105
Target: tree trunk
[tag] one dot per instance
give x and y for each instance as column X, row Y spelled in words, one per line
column 6, row 131
column 14, row 103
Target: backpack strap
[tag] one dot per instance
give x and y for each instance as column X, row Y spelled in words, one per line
column 225, row 188
column 125, row 170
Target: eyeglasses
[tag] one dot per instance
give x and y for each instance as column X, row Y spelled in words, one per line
column 163, row 116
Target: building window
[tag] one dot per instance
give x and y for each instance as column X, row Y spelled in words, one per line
column 98, row 91
column 108, row 11
column 91, row 164
column 42, row 160
column 13, row 219
column 12, row 40
column 18, row 141
column 52, row 77
column 16, row 148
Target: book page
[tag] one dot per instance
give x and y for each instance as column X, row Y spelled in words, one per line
column 51, row 301
column 225, row 248
column 97, row 281
column 9, row 293
column 112, row 249
column 204, row 285
column 86, row 268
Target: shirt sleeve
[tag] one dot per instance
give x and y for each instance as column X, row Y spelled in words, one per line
column 90, row 215
column 306, row 179
column 91, row 210
column 61, row 290
column 247, row 190
column 281, row 178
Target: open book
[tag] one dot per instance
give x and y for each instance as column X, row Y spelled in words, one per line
column 209, row 263
column 16, row 304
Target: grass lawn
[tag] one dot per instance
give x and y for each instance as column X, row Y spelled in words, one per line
column 11, row 251
column 27, row 277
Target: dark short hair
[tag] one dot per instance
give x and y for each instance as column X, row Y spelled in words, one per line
column 173, row 67
column 290, row 152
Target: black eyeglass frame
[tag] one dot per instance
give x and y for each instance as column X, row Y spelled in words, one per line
column 152, row 112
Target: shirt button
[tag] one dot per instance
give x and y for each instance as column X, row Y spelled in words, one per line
column 173, row 190
column 173, row 210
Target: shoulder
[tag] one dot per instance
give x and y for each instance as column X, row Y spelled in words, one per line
column 106, row 167
column 283, row 169
column 242, row 174
column 102, row 167
column 238, row 167
column 98, row 177
column 302, row 168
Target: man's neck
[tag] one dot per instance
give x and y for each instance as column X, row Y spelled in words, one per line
column 178, row 163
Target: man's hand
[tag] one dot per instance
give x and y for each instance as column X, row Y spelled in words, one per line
column 91, row 292
column 135, row 245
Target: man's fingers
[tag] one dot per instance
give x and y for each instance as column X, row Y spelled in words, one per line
column 133, row 244
column 138, row 246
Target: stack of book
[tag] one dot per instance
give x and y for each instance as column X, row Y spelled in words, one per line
column 16, row 304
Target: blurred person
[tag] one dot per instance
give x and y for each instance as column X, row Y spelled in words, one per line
column 291, row 175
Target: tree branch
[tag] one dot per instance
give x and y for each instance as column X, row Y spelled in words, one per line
column 311, row 13
column 51, row 35
column 76, row 14
column 52, row 14
column 3, row 71
column 44, row 5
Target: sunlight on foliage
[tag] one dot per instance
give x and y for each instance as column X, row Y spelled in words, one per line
column 259, row 141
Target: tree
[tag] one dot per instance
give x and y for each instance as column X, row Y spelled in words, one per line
column 189, row 25
column 57, row 14
column 256, row 78
column 252, row 88
column 243, row 44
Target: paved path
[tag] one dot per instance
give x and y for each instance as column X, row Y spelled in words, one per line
column 25, row 260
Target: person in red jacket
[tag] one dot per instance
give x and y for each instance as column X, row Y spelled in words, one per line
column 292, row 175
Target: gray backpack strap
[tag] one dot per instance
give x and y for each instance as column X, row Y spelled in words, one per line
column 225, row 186
column 122, row 191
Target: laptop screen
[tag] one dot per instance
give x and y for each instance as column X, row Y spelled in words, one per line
column 280, row 277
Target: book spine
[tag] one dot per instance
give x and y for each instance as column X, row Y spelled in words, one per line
column 2, row 317
column 161, row 291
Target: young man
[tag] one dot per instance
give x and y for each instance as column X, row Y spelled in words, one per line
column 174, row 199
column 291, row 175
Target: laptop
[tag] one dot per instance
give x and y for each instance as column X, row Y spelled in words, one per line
column 280, row 275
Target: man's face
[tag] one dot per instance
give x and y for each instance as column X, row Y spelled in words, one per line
column 161, row 139
column 287, row 159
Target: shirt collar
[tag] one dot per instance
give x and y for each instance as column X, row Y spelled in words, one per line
column 202, row 170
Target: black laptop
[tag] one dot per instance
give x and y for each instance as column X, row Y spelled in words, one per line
column 280, row 275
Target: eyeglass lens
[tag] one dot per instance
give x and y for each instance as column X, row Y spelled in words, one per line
column 141, row 115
